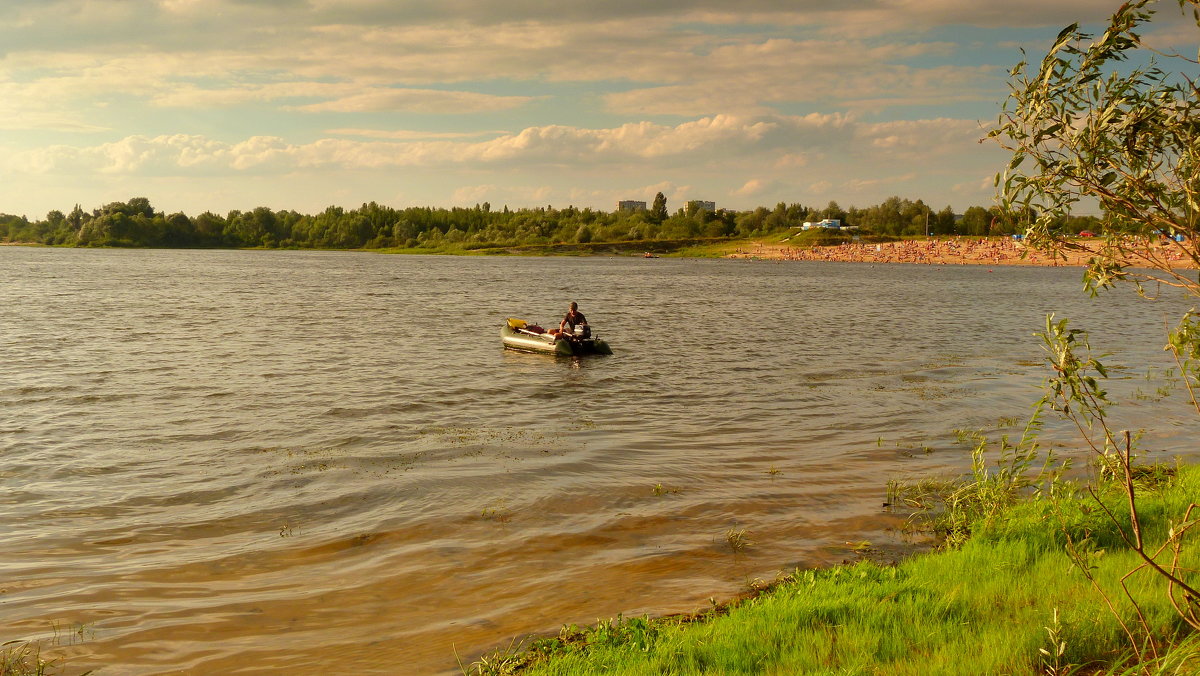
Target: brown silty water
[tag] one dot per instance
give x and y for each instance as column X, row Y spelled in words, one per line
column 243, row 462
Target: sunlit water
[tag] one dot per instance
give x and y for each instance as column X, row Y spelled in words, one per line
column 239, row 462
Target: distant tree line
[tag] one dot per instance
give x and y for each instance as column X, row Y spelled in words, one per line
column 135, row 223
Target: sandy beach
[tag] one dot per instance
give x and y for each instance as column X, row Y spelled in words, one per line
column 957, row 251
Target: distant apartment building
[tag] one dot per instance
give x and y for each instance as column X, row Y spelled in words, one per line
column 631, row 205
column 701, row 205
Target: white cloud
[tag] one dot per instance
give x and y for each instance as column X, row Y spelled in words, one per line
column 697, row 96
column 412, row 134
column 339, row 97
column 921, row 138
column 667, row 188
column 182, row 6
column 1172, row 33
column 779, row 141
column 417, row 101
column 984, row 185
column 791, row 161
column 754, row 186
column 860, row 184
column 474, row 194
column 230, row 56
column 31, row 120
column 471, row 195
column 189, row 95
column 751, row 77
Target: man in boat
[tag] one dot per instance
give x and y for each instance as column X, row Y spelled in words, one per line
column 574, row 318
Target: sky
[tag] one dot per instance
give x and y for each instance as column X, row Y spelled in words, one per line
column 213, row 105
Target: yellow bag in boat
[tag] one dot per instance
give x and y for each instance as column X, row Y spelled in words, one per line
column 516, row 323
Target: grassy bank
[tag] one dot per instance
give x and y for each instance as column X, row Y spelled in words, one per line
column 657, row 247
column 1009, row 600
column 19, row 658
column 698, row 247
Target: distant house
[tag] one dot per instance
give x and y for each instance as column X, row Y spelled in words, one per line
column 631, row 205
column 830, row 223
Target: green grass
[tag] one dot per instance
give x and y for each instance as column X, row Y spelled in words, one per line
column 713, row 249
column 657, row 247
column 24, row 659
column 1008, row 601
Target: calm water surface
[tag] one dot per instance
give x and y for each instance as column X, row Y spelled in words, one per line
column 243, row 462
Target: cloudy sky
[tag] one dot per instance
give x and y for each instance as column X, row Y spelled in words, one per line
column 300, row 104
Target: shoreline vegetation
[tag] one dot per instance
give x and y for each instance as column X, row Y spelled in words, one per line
column 842, row 248
column 1034, row 573
column 136, row 222
column 1005, row 595
column 990, row 251
column 695, row 229
column 895, row 231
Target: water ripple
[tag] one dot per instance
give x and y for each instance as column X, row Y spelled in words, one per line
column 221, row 461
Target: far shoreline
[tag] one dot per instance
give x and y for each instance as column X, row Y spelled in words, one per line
column 990, row 251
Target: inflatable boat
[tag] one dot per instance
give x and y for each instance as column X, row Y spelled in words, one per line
column 518, row 334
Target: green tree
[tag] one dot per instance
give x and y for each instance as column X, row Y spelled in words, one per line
column 76, row 218
column 916, row 217
column 777, row 219
column 139, row 206
column 1105, row 120
column 244, row 229
column 209, row 229
column 832, row 210
column 658, row 211
column 751, row 222
column 943, row 222
column 1086, row 127
column 976, row 221
column 179, row 231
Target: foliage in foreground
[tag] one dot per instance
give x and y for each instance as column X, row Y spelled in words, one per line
column 1047, row 577
column 1107, row 119
column 23, row 659
column 1009, row 600
column 1038, row 574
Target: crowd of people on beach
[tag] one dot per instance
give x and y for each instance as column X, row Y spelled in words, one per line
column 994, row 250
column 974, row 251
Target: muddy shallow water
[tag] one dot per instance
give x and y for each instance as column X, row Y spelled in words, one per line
column 245, row 461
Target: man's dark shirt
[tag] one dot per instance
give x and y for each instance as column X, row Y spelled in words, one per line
column 579, row 319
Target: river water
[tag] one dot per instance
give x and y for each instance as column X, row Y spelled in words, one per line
column 320, row 462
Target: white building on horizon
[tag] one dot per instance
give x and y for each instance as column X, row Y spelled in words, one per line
column 831, row 223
